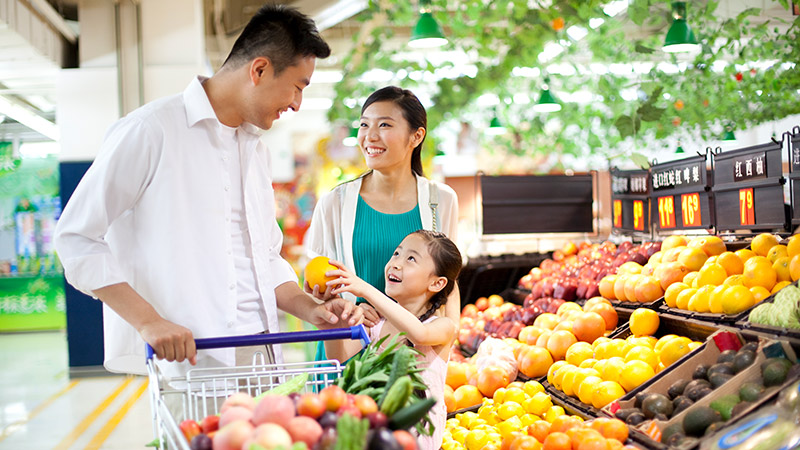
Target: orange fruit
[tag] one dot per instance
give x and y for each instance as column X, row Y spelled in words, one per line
column 607, row 392
column 644, row 322
column 759, row 293
column 492, row 378
column 700, row 300
column 781, row 268
column 672, row 254
column 546, row 320
column 715, row 299
column 777, row 251
column 449, row 399
column 587, row 387
column 672, row 242
column 495, row 300
column 566, row 307
column 670, row 272
column 456, row 374
column 731, row 262
column 762, row 243
column 467, row 396
column 779, row 285
column 314, row 273
column 712, row 274
column 588, row 327
column 691, row 279
column 635, row 373
column 579, row 352
column 642, row 353
column 671, row 294
column 648, row 289
column 607, row 312
column 606, row 286
column 630, row 267
column 619, row 287
column 692, row 258
column 710, row 245
column 734, row 280
column 794, row 268
column 663, row 341
column 614, row 429
column 682, row 301
column 673, row 350
column 557, row 441
column 539, row 429
column 535, row 362
column 554, row 368
column 737, row 299
column 559, row 343
column 793, row 247
column 580, row 376
column 563, row 423
column 760, row 275
column 745, row 254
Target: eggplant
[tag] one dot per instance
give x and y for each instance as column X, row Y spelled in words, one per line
column 382, row 439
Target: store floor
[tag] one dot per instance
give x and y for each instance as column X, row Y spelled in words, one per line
column 42, row 408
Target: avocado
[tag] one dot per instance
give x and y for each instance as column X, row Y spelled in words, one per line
column 623, row 414
column 775, row 373
column 638, row 399
column 635, row 418
column 697, row 389
column 751, row 391
column 700, row 372
column 656, row 404
column 718, row 379
column 680, row 403
column 676, row 429
column 726, row 356
column 750, row 346
column 743, row 360
column 698, row 419
column 769, row 361
column 676, row 389
column 723, row 367
column 662, row 417
column 740, row 408
column 725, row 404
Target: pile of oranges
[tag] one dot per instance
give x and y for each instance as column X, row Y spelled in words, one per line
column 732, row 282
column 522, row 417
column 605, row 370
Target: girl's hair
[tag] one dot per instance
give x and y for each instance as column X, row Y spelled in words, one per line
column 413, row 112
column 447, row 263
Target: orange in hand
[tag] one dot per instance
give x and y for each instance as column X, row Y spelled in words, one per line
column 314, row 273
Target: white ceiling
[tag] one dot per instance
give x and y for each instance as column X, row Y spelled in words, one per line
column 31, row 56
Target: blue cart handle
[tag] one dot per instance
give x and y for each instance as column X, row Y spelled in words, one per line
column 356, row 332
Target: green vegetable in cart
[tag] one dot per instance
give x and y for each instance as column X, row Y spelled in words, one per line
column 409, row 416
column 295, row 384
column 398, row 396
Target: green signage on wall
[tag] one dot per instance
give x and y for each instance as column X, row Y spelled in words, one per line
column 32, row 303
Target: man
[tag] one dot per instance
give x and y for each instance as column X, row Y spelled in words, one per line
column 173, row 227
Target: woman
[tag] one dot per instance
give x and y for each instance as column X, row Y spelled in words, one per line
column 362, row 221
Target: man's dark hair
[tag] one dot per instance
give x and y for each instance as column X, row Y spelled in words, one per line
column 280, row 33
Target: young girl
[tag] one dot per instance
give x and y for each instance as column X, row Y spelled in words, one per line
column 419, row 276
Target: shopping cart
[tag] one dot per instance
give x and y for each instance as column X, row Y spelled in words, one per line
column 201, row 391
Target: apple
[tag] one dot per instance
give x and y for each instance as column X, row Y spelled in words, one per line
column 277, row 409
column 271, row 436
column 233, row 436
column 310, row 405
column 238, row 399
column 405, row 439
column 304, row 429
column 190, row 429
column 333, row 396
column 233, row 414
column 209, row 423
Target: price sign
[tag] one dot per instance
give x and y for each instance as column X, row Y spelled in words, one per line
column 747, row 210
column 617, row 213
column 666, row 212
column 690, row 210
column 638, row 215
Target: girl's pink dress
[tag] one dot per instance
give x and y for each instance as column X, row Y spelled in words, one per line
column 434, row 377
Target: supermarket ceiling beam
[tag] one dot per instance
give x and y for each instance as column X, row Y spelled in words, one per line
column 29, row 118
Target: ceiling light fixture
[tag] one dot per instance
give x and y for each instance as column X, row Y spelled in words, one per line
column 680, row 149
column 29, row 118
column 680, row 37
column 427, row 33
column 547, row 103
column 495, row 126
column 729, row 136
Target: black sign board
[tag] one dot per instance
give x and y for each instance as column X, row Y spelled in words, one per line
column 630, row 200
column 680, row 199
column 748, row 189
column 537, row 204
column 792, row 140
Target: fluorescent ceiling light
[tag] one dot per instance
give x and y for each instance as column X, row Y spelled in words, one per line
column 576, row 32
column 326, row 76
column 316, row 103
column 596, row 22
column 564, row 69
column 29, row 118
column 38, row 149
column 521, row 98
column 551, row 50
column 527, row 72
column 339, row 12
column 376, row 75
column 615, row 7
column 488, row 100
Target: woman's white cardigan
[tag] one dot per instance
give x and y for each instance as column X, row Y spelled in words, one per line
column 331, row 230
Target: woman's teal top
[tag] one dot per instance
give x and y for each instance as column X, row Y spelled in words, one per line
column 376, row 235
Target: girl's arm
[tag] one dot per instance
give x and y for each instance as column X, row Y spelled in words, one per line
column 438, row 332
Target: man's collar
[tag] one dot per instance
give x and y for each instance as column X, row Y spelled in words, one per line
column 198, row 107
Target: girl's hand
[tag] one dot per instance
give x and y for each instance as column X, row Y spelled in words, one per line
column 337, row 313
column 346, row 281
column 371, row 315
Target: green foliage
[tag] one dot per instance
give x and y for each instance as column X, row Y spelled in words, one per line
column 505, row 34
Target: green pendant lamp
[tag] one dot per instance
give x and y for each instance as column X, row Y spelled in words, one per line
column 546, row 103
column 680, row 149
column 495, row 126
column 729, row 136
column 427, row 33
column 680, row 37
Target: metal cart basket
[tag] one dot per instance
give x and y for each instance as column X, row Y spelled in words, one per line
column 202, row 391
